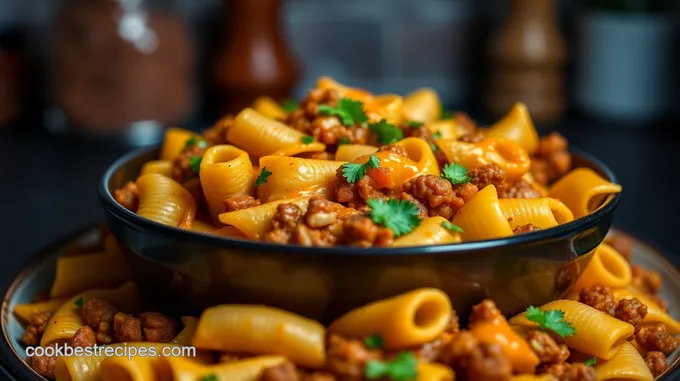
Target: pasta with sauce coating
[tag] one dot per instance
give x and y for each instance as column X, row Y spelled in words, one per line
column 174, row 142
column 582, row 190
column 430, row 232
column 606, row 268
column 597, row 333
column 422, row 105
column 259, row 135
column 162, row 167
column 627, row 365
column 163, row 200
column 261, row 330
column 517, row 126
column 296, row 177
column 78, row 273
column 502, row 152
column 225, row 172
column 254, row 222
column 542, row 212
column 402, row 321
column 484, row 203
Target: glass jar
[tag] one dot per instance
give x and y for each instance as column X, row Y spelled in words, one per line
column 122, row 66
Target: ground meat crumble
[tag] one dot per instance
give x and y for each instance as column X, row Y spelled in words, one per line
column 551, row 159
column 657, row 339
column 656, row 362
column 325, row 129
column 235, row 203
column 631, row 311
column 528, row 228
column 435, row 196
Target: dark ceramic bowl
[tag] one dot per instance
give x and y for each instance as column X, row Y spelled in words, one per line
column 180, row 270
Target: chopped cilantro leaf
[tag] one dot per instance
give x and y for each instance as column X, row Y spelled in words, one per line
column 452, row 227
column 209, row 377
column 404, row 367
column 434, row 147
column 353, row 172
column 436, row 135
column 399, row 216
column 262, row 177
column 79, row 302
column 387, row 133
column 374, row 341
column 344, row 140
column 196, row 140
column 307, row 139
column 550, row 320
column 414, row 124
column 348, row 111
column 289, row 105
column 195, row 163
column 455, row 173
column 591, row 361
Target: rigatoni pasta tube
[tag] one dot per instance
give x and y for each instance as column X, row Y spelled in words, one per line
column 259, row 135
column 482, row 218
column 226, row 171
column 163, row 200
column 446, row 129
column 162, row 167
column 388, row 106
column 422, row 105
column 254, row 222
column 542, row 212
column 327, row 83
column 350, row 152
column 261, row 330
column 503, row 152
column 606, row 268
column 403, row 321
column 517, row 126
column 77, row 273
column 420, row 152
column 597, row 333
column 655, row 314
column 26, row 311
column 582, row 190
column 294, row 177
column 174, row 142
column 136, row 368
column 67, row 319
column 430, row 232
column 434, row 372
column 627, row 365
column 269, row 108
column 202, row 227
column 533, row 377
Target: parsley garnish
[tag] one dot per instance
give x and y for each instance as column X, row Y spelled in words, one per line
column 195, row 140
column 262, row 177
column 399, row 216
column 404, row 367
column 353, row 172
column 550, row 320
column 387, row 133
column 79, row 302
column 374, row 341
column 209, row 377
column 414, row 124
column 452, row 227
column 436, row 135
column 344, row 140
column 289, row 105
column 591, row 361
column 349, row 111
column 455, row 173
column 433, row 147
column 307, row 139
column 195, row 163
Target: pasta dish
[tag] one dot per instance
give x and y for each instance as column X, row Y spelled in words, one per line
column 611, row 325
column 347, row 167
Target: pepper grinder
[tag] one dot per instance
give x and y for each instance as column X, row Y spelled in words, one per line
column 255, row 59
column 527, row 56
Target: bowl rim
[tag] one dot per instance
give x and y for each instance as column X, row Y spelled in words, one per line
column 569, row 229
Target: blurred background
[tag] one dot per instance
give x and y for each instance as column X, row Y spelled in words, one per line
column 82, row 81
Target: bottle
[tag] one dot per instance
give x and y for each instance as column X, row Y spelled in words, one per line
column 255, row 59
column 527, row 56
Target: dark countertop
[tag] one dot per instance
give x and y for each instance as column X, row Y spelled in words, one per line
column 49, row 183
